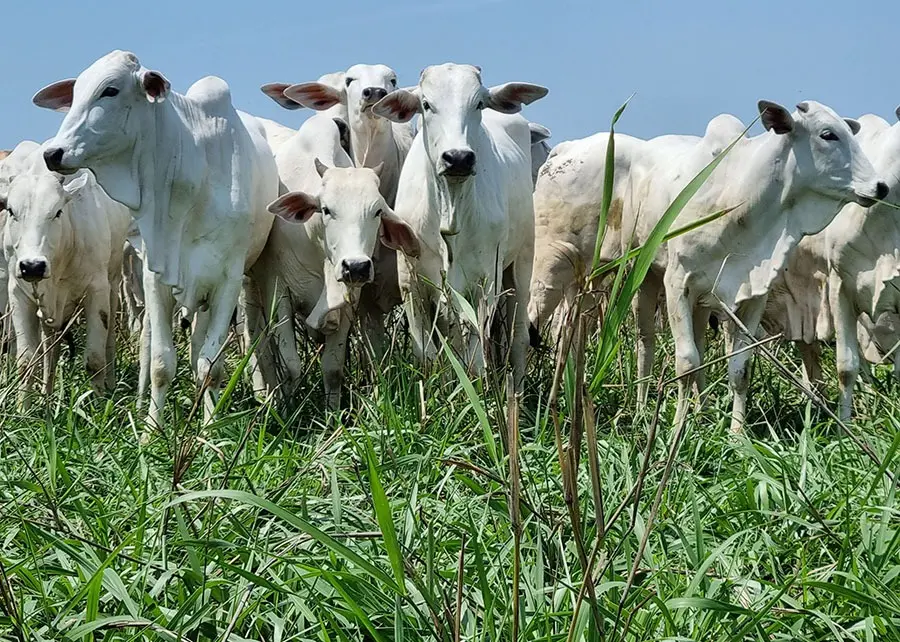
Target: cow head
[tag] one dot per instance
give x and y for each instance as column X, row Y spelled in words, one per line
column 354, row 215
column 827, row 159
column 106, row 108
column 450, row 99
column 37, row 204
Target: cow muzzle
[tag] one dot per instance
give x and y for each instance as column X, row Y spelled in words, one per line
column 881, row 192
column 356, row 271
column 458, row 163
column 53, row 159
column 33, row 270
column 371, row 95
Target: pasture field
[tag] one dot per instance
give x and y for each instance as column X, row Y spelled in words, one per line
column 397, row 521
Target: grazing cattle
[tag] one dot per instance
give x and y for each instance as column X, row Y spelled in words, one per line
column 197, row 176
column 12, row 163
column 785, row 184
column 64, row 245
column 843, row 282
column 465, row 190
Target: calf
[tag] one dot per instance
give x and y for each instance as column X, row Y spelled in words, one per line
column 196, row 175
column 64, row 249
column 465, row 190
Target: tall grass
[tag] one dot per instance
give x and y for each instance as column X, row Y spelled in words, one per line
column 440, row 508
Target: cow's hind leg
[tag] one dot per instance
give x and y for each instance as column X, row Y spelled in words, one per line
column 741, row 359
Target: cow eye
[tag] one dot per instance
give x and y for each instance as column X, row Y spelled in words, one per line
column 829, row 135
column 58, row 214
column 348, row 82
column 393, row 82
column 480, row 104
column 426, row 105
column 109, row 92
column 379, row 213
column 326, row 211
column 12, row 214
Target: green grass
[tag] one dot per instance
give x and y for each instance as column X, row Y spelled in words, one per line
column 391, row 526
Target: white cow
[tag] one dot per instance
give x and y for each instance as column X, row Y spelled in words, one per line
column 374, row 142
column 466, row 192
column 64, row 250
column 197, row 176
column 843, row 282
column 14, row 162
column 787, row 183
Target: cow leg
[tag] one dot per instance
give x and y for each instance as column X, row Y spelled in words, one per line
column 28, row 340
column 98, row 320
column 144, row 363
column 739, row 365
column 161, row 368
column 50, row 346
column 218, row 321
column 644, row 308
column 811, row 355
column 687, row 356
column 847, row 343
column 701, row 323
column 333, row 354
column 110, row 371
column 517, row 314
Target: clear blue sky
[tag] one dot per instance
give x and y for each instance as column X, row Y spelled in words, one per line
column 686, row 61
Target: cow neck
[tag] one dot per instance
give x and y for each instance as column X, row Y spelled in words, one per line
column 372, row 142
column 167, row 149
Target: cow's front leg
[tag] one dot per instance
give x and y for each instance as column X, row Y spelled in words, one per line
column 98, row 320
column 687, row 356
column 161, row 369
column 739, row 365
column 209, row 368
column 26, row 327
column 846, row 341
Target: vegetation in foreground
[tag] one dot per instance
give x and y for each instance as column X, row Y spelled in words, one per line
column 396, row 522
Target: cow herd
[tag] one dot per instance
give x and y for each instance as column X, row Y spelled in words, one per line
column 166, row 205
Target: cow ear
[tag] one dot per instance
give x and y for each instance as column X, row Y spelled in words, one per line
column 399, row 106
column 509, row 98
column 897, row 112
column 853, row 125
column 275, row 91
column 343, row 134
column 398, row 235
column 315, row 95
column 538, row 133
column 321, row 168
column 295, row 207
column 775, row 117
column 57, row 96
column 73, row 186
column 155, row 86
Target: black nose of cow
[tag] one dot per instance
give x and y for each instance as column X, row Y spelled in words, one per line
column 33, row 269
column 356, row 270
column 881, row 191
column 373, row 94
column 458, row 162
column 53, row 158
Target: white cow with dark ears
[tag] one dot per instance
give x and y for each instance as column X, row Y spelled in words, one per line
column 466, row 191
column 196, row 175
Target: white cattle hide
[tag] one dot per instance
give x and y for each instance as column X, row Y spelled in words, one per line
column 465, row 190
column 197, row 176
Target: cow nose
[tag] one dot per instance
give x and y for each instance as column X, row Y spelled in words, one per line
column 881, row 190
column 459, row 162
column 356, row 270
column 374, row 94
column 53, row 158
column 33, row 269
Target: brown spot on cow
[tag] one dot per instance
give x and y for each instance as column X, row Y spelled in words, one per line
column 614, row 216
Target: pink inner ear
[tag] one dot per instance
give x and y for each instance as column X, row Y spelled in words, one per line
column 294, row 206
column 399, row 236
column 57, row 96
column 315, row 95
column 155, row 84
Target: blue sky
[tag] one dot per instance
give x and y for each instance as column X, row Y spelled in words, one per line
column 685, row 61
